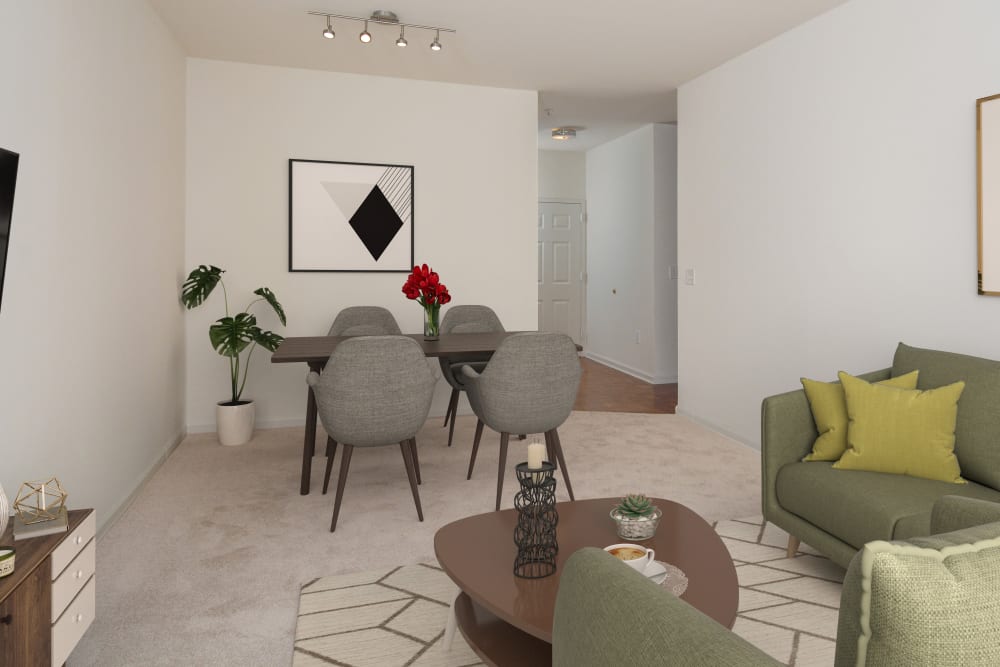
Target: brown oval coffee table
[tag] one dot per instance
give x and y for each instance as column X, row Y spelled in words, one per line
column 508, row 620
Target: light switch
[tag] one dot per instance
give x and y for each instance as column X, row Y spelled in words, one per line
column 689, row 277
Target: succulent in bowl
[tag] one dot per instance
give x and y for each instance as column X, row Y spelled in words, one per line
column 636, row 517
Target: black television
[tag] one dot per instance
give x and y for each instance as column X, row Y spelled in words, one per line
column 8, row 179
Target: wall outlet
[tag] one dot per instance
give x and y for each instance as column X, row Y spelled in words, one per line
column 637, row 337
column 689, row 277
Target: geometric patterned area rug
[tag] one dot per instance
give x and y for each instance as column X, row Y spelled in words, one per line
column 383, row 618
column 396, row 616
column 788, row 606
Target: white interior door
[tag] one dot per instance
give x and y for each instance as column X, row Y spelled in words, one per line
column 561, row 271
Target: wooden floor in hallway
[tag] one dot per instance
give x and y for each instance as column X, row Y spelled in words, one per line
column 605, row 389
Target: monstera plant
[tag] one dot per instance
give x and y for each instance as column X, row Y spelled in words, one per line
column 234, row 337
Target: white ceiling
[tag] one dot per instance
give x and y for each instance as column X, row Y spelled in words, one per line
column 606, row 66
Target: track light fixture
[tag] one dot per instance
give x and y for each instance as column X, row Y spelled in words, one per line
column 383, row 17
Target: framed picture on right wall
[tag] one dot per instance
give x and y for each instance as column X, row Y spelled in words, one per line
column 988, row 187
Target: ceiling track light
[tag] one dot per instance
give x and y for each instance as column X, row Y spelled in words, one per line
column 564, row 133
column 382, row 17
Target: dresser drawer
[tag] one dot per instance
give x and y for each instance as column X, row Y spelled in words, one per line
column 73, row 578
column 66, row 632
column 74, row 543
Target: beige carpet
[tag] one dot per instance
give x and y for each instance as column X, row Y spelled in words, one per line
column 396, row 616
column 205, row 567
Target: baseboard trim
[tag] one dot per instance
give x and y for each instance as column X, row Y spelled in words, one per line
column 105, row 525
column 718, row 429
column 628, row 370
column 436, row 412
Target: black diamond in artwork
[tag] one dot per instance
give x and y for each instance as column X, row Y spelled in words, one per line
column 376, row 223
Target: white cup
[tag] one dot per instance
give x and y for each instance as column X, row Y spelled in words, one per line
column 638, row 563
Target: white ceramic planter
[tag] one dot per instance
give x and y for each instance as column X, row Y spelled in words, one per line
column 4, row 510
column 234, row 423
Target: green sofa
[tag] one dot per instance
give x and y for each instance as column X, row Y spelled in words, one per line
column 608, row 614
column 839, row 511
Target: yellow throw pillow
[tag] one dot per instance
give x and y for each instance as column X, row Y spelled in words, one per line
column 829, row 408
column 901, row 431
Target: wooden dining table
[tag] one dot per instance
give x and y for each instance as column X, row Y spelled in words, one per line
column 316, row 350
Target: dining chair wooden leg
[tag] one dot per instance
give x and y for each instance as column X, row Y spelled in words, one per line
column 504, row 439
column 556, row 445
column 345, row 464
column 550, row 452
column 411, row 474
column 452, row 407
column 331, row 452
column 475, row 447
column 416, row 458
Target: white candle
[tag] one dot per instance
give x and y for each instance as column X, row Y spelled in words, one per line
column 536, row 454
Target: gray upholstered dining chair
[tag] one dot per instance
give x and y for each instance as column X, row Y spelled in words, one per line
column 375, row 391
column 364, row 321
column 358, row 321
column 528, row 386
column 464, row 319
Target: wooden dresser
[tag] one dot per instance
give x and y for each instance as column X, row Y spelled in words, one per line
column 48, row 602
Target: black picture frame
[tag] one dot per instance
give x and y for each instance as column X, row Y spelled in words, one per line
column 8, row 184
column 350, row 217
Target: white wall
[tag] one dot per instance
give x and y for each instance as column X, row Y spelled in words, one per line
column 665, row 251
column 827, row 200
column 630, row 228
column 562, row 175
column 91, row 330
column 476, row 198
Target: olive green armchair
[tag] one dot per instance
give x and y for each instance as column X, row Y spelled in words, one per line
column 609, row 614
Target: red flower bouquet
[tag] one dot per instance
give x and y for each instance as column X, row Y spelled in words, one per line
column 425, row 287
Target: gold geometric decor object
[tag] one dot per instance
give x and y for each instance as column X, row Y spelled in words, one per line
column 40, row 501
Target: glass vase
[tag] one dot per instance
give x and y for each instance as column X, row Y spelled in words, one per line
column 432, row 321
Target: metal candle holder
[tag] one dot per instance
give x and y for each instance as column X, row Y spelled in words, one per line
column 535, row 533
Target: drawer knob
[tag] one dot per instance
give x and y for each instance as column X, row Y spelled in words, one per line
column 79, row 574
column 79, row 539
column 7, row 620
column 79, row 617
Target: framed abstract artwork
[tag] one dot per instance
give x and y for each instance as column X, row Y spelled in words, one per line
column 350, row 216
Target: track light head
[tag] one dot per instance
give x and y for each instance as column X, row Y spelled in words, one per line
column 328, row 31
column 436, row 44
column 402, row 40
column 366, row 36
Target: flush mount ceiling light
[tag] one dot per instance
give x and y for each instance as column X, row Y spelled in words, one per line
column 382, row 17
column 564, row 133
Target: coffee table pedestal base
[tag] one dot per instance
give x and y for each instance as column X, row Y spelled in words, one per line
column 497, row 642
